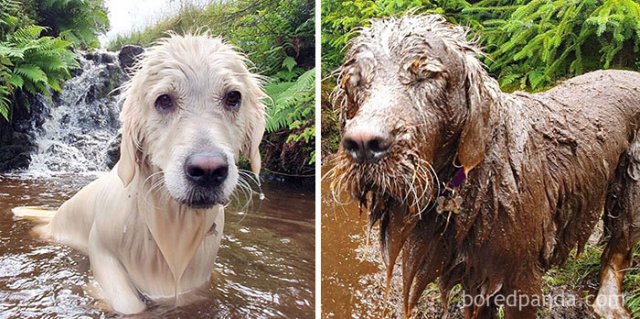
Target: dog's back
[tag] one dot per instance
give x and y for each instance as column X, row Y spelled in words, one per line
column 600, row 94
column 70, row 224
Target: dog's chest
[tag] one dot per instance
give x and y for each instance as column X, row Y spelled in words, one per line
column 165, row 259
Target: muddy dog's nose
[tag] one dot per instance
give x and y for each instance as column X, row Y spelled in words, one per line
column 207, row 169
column 366, row 147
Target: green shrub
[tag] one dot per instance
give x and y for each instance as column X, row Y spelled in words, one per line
column 530, row 45
column 540, row 42
column 78, row 21
column 291, row 108
column 341, row 18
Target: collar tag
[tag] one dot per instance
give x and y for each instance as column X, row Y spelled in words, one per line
column 458, row 178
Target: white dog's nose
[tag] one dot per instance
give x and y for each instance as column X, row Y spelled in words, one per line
column 207, row 169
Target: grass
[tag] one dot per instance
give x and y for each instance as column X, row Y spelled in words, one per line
column 581, row 274
column 632, row 285
column 186, row 19
column 579, row 277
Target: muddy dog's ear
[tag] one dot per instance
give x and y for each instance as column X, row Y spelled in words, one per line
column 473, row 139
column 130, row 145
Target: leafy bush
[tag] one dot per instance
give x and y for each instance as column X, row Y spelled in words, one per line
column 78, row 21
column 540, row 42
column 530, row 45
column 292, row 108
column 341, row 18
column 269, row 31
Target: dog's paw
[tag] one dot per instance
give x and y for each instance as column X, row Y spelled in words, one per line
column 610, row 307
column 128, row 306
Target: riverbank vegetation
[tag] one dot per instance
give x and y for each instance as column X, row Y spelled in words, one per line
column 278, row 37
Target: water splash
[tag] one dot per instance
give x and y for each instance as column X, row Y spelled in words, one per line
column 83, row 121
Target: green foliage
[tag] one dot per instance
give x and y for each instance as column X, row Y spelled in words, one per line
column 577, row 273
column 29, row 63
column 633, row 302
column 543, row 41
column 286, row 99
column 292, row 108
column 582, row 274
column 77, row 21
column 632, row 285
column 530, row 44
column 341, row 18
column 269, row 31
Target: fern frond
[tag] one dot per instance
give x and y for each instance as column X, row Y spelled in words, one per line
column 30, row 73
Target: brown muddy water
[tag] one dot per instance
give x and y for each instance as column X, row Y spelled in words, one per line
column 265, row 266
column 348, row 266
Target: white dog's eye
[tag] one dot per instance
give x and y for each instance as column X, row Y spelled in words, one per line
column 232, row 100
column 164, row 103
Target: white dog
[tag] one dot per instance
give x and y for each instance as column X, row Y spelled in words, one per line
column 152, row 226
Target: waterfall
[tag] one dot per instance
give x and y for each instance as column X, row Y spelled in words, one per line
column 83, row 121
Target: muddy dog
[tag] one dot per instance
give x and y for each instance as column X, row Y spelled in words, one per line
column 479, row 187
column 152, row 226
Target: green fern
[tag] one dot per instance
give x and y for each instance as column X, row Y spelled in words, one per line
column 288, row 99
column 544, row 40
column 30, row 63
column 30, row 73
column 77, row 21
column 292, row 107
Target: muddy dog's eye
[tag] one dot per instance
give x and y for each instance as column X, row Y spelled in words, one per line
column 164, row 103
column 423, row 68
column 232, row 100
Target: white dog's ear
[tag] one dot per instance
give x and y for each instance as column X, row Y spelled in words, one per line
column 127, row 162
column 129, row 147
column 253, row 137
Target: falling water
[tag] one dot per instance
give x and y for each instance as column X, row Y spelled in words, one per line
column 83, row 121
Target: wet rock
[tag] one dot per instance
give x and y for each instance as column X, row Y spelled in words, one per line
column 100, row 57
column 17, row 138
column 110, row 81
column 15, row 157
column 107, row 58
column 21, row 138
column 128, row 56
column 76, row 72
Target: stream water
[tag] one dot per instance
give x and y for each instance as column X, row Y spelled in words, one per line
column 265, row 267
column 350, row 287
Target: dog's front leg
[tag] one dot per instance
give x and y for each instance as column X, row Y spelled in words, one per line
column 114, row 282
